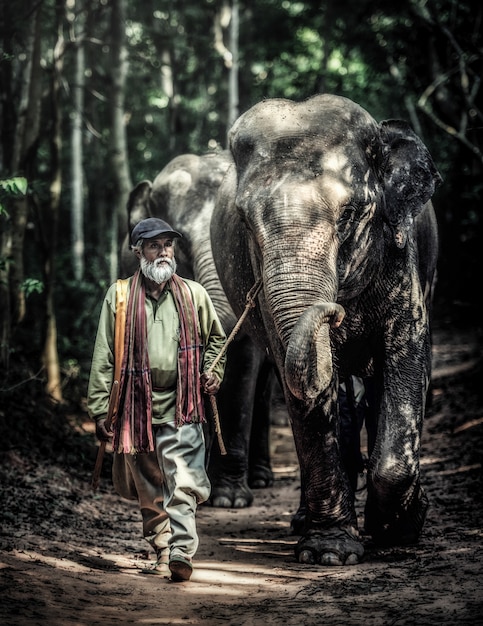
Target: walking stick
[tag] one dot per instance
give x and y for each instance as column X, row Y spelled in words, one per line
column 121, row 293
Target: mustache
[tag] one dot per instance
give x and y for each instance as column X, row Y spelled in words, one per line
column 158, row 262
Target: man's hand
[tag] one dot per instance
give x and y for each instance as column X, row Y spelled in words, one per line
column 101, row 432
column 210, row 383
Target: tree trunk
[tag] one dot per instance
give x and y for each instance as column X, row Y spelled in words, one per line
column 119, row 154
column 77, row 177
column 233, row 101
column 229, row 17
column 50, row 356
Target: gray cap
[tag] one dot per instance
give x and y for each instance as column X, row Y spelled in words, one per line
column 152, row 227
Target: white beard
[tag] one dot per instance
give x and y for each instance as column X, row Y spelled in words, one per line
column 159, row 270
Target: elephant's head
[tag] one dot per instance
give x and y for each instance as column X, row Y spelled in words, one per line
column 137, row 210
column 309, row 187
column 183, row 194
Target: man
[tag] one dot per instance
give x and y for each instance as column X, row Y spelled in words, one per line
column 172, row 337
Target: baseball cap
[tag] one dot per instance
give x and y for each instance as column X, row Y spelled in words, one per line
column 152, row 227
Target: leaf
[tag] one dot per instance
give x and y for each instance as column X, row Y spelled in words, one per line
column 14, row 186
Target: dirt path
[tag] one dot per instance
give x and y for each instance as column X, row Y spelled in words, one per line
column 71, row 557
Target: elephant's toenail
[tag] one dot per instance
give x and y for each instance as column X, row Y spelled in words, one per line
column 307, row 557
column 240, row 503
column 330, row 558
column 352, row 559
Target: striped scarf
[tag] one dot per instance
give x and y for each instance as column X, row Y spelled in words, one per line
column 133, row 428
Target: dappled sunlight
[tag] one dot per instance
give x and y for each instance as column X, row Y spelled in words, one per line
column 239, row 573
column 232, row 576
column 460, row 470
column 286, row 471
column 37, row 558
column 429, row 460
column 260, row 546
column 152, row 621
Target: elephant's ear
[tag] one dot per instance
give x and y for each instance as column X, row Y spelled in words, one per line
column 138, row 203
column 410, row 177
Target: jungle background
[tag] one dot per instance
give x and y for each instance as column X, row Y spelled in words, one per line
column 97, row 95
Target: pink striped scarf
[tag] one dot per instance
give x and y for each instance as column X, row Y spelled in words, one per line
column 133, row 428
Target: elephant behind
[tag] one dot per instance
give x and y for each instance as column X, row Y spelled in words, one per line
column 183, row 194
column 332, row 211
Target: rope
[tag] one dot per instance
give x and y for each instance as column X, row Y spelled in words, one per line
column 250, row 299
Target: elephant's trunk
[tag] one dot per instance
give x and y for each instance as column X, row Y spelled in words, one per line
column 300, row 284
column 308, row 361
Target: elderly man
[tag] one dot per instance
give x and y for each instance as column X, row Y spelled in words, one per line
column 172, row 337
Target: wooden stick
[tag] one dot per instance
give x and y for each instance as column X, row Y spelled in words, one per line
column 217, row 425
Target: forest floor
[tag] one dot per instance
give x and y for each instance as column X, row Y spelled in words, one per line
column 72, row 557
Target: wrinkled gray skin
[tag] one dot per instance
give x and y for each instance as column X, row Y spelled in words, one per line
column 183, row 194
column 332, row 210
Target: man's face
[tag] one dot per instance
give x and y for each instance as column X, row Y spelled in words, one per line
column 157, row 259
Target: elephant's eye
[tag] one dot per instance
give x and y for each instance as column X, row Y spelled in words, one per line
column 242, row 150
column 242, row 216
column 347, row 216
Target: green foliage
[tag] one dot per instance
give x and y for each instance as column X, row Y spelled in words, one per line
column 32, row 285
column 10, row 188
column 382, row 55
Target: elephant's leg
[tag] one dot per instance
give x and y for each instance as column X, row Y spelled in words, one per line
column 278, row 408
column 330, row 535
column 400, row 524
column 353, row 412
column 229, row 473
column 297, row 523
column 260, row 473
column 396, row 504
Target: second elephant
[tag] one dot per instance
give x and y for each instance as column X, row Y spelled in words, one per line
column 183, row 194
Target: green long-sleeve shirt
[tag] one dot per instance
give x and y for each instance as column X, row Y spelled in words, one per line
column 163, row 340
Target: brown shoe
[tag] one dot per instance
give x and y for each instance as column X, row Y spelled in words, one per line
column 181, row 569
column 160, row 567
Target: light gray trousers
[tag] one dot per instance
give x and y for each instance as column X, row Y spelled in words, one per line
column 168, row 484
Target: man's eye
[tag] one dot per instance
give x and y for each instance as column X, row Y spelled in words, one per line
column 155, row 247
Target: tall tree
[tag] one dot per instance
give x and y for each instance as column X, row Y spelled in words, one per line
column 227, row 27
column 76, row 147
column 50, row 354
column 119, row 154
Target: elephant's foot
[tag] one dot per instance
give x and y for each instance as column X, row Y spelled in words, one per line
column 231, row 495
column 260, row 477
column 334, row 546
column 397, row 528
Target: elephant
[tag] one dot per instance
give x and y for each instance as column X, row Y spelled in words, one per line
column 332, row 212
column 183, row 194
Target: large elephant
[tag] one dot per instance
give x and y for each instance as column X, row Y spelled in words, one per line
column 332, row 211
column 183, row 194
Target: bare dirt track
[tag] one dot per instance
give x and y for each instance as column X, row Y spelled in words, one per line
column 72, row 557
